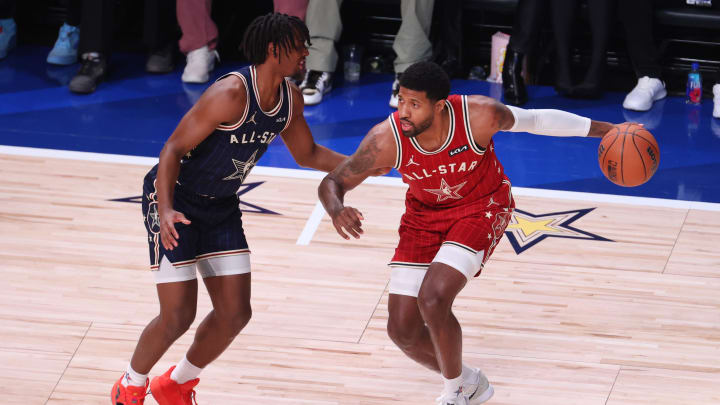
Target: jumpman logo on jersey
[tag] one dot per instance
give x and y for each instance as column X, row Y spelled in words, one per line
column 492, row 202
column 242, row 168
column 412, row 162
column 252, row 118
column 446, row 191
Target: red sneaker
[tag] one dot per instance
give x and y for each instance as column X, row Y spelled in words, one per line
column 168, row 392
column 130, row 395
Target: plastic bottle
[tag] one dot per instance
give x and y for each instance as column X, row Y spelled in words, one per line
column 352, row 63
column 694, row 86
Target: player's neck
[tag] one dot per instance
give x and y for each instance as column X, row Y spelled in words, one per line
column 268, row 83
column 435, row 136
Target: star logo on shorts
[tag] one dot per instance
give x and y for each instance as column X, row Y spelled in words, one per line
column 153, row 219
column 525, row 230
column 446, row 192
column 242, row 168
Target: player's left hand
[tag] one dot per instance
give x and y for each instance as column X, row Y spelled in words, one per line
column 348, row 220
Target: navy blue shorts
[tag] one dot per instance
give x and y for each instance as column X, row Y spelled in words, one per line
column 215, row 230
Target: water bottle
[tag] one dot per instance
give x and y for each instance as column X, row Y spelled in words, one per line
column 352, row 63
column 694, row 86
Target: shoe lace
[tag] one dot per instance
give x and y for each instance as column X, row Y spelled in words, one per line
column 88, row 63
column 194, row 57
column 191, row 392
column 451, row 398
column 396, row 85
column 64, row 36
column 446, row 399
column 313, row 79
column 644, row 82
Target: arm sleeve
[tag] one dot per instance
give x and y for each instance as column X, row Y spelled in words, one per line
column 549, row 122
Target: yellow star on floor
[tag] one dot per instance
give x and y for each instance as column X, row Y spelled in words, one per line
column 528, row 226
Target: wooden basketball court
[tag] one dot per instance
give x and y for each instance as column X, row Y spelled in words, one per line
column 626, row 312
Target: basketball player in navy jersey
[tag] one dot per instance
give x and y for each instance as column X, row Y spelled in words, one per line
column 458, row 205
column 191, row 206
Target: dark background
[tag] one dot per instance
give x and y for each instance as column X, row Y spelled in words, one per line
column 684, row 34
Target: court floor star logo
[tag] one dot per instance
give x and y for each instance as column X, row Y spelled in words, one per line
column 242, row 168
column 525, row 229
column 244, row 205
column 446, row 191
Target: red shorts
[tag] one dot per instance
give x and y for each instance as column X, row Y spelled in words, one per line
column 476, row 227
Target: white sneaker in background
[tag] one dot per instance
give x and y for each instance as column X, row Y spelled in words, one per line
column 200, row 62
column 315, row 85
column 716, row 100
column 646, row 92
column 395, row 90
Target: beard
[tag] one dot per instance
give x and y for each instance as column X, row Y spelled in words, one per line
column 417, row 129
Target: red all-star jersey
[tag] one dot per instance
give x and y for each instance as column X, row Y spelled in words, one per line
column 459, row 173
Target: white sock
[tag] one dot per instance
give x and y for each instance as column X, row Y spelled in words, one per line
column 467, row 372
column 133, row 378
column 185, row 371
column 452, row 385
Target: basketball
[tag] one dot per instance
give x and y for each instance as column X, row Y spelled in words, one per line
column 628, row 155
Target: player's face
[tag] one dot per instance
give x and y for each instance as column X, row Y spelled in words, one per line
column 293, row 62
column 416, row 112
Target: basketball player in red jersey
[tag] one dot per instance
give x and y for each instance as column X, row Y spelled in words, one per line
column 458, row 205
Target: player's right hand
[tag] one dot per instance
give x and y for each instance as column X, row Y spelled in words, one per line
column 168, row 233
column 348, row 220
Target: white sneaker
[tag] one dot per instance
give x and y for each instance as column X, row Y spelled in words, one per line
column 647, row 91
column 455, row 398
column 200, row 62
column 716, row 100
column 315, row 85
column 395, row 90
column 477, row 388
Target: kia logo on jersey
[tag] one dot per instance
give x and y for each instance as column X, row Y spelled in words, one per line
column 458, row 150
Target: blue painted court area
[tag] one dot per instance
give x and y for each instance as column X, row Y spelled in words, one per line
column 134, row 112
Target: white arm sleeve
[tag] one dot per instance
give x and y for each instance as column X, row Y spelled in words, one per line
column 549, row 122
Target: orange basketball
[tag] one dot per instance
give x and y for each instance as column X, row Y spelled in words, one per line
column 628, row 155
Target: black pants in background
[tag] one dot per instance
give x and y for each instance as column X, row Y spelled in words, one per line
column 8, row 7
column 526, row 29
column 637, row 17
column 159, row 27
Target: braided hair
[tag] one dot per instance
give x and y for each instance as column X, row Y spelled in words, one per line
column 279, row 29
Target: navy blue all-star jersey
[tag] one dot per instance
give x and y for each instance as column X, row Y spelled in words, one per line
column 210, row 175
column 219, row 164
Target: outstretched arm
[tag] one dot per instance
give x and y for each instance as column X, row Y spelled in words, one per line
column 377, row 151
column 302, row 146
column 488, row 116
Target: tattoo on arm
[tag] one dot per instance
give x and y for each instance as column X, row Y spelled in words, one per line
column 503, row 117
column 362, row 160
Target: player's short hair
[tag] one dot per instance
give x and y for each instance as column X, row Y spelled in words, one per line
column 281, row 30
column 427, row 77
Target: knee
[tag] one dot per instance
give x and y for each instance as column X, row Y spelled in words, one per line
column 403, row 331
column 232, row 322
column 176, row 323
column 433, row 305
